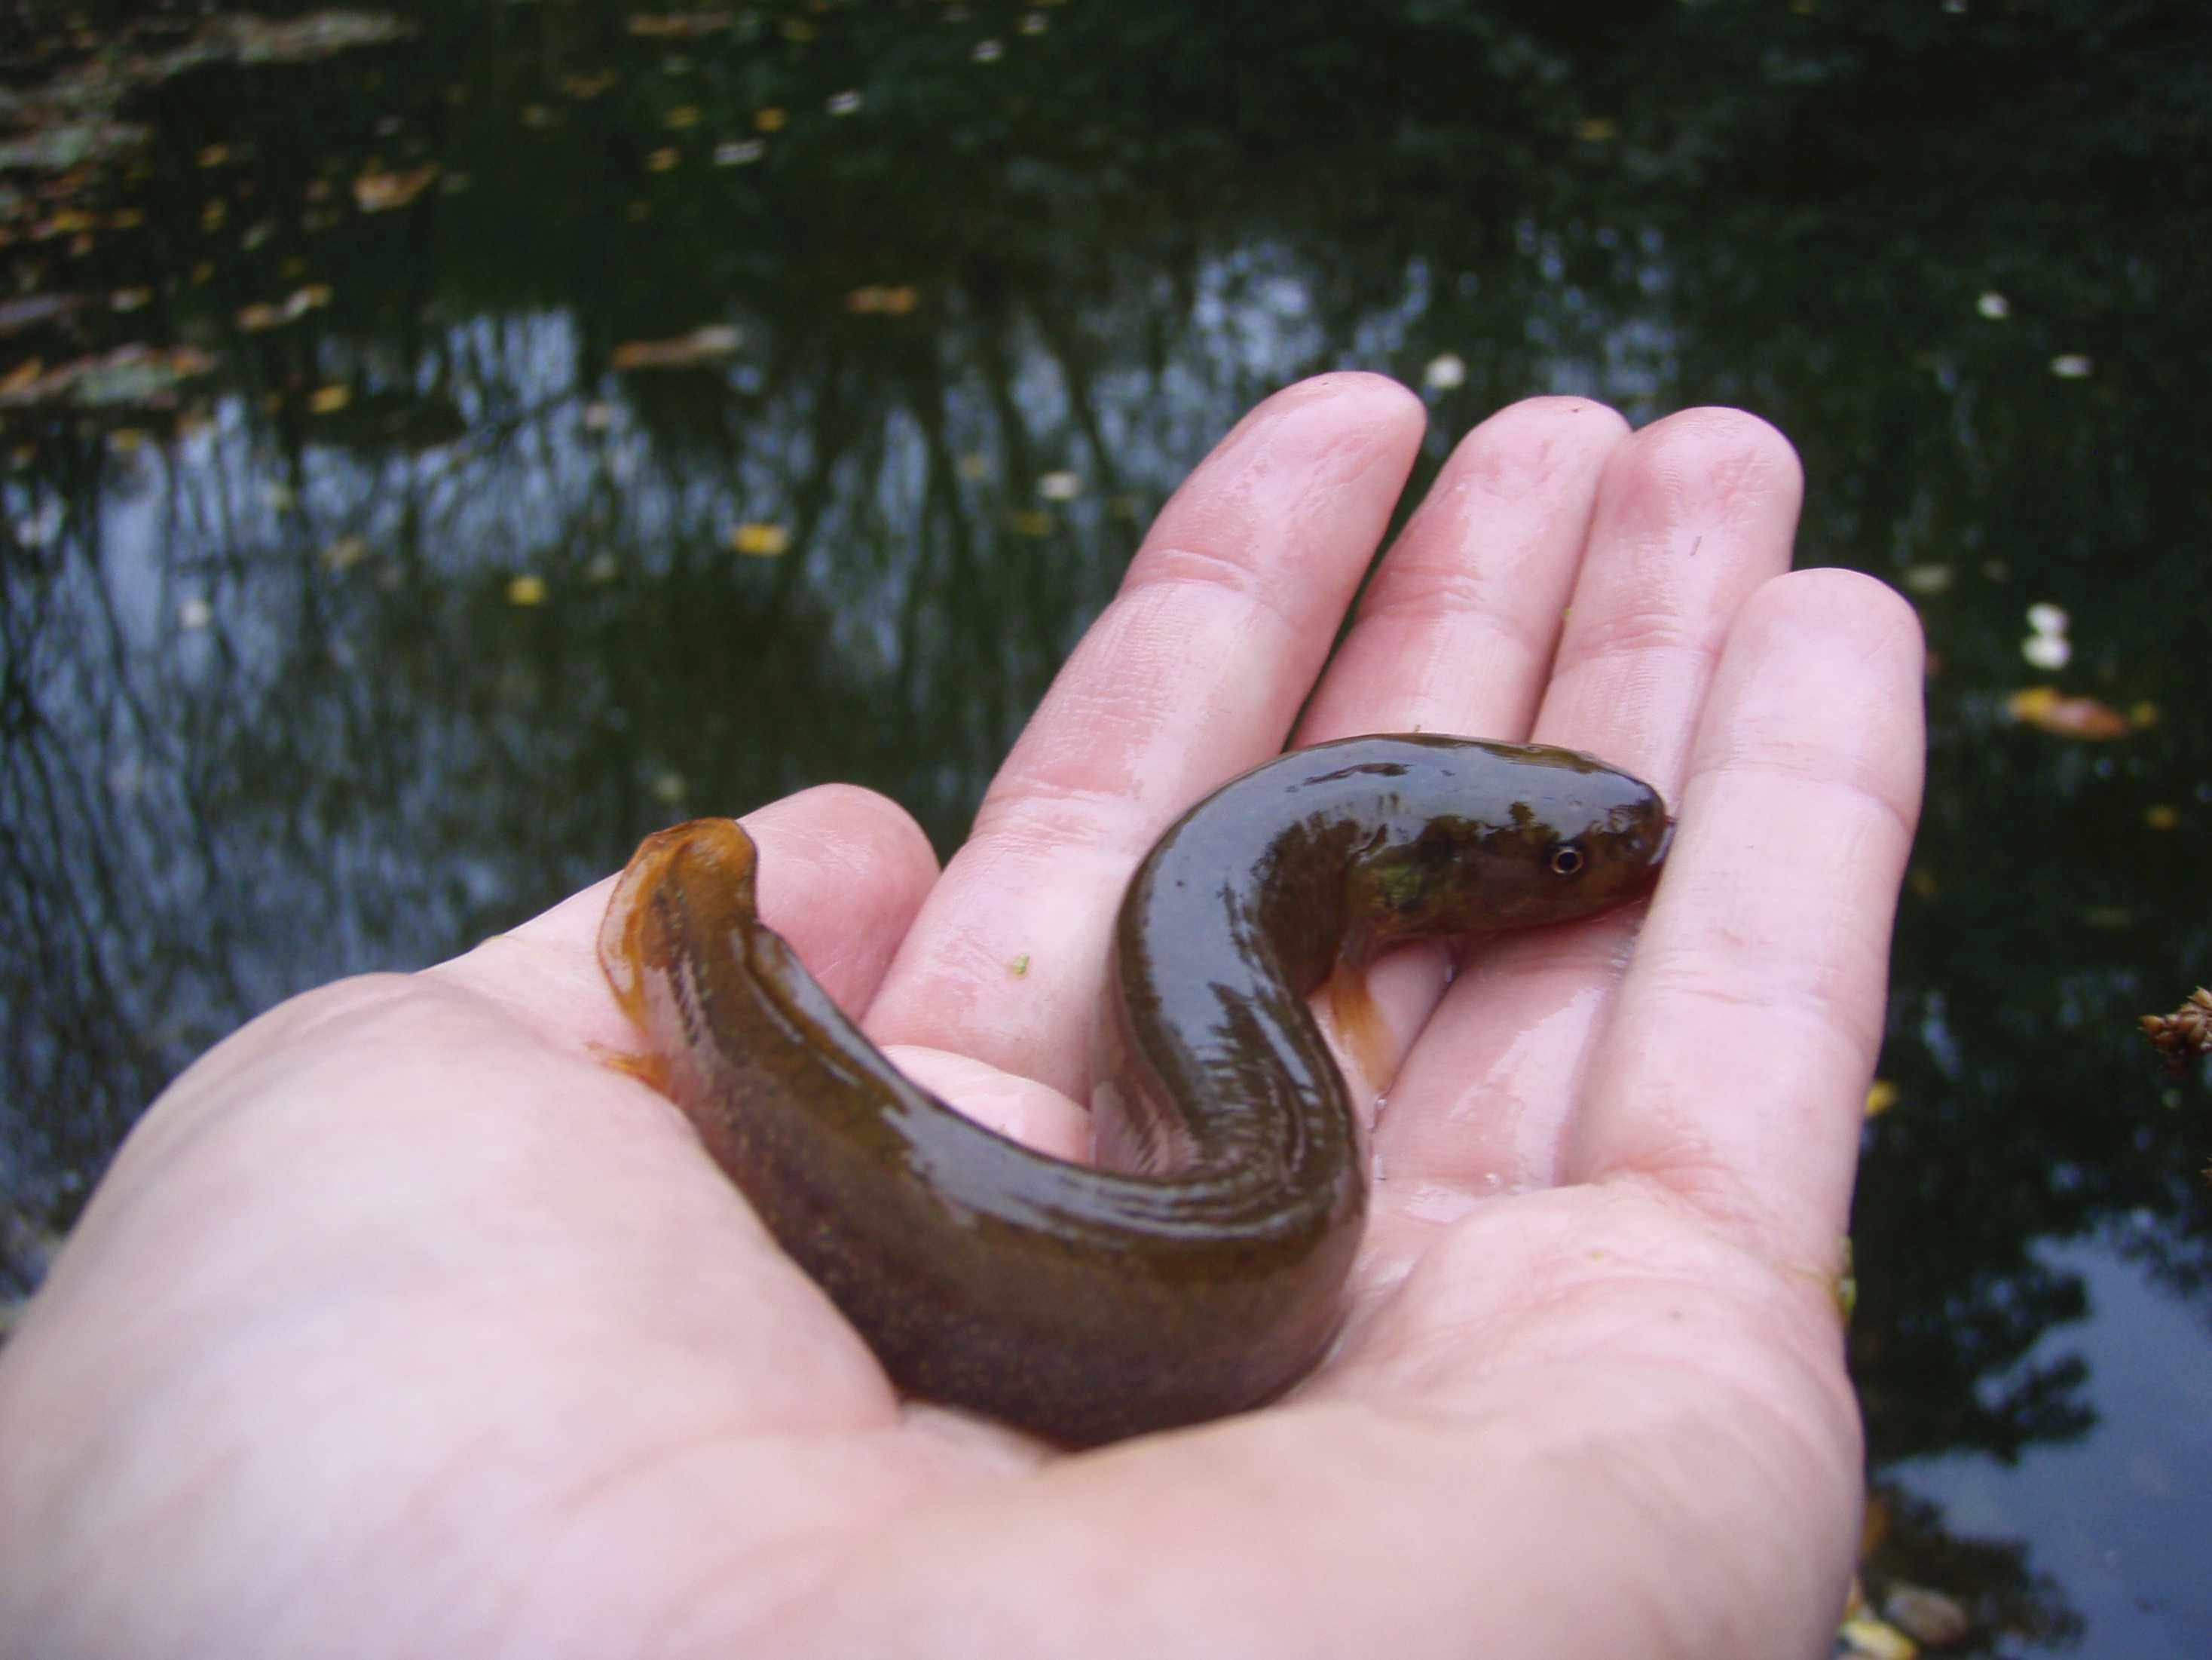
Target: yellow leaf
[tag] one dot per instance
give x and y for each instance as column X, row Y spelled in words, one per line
column 1597, row 129
column 1876, row 1640
column 2047, row 709
column 701, row 345
column 526, row 591
column 760, row 541
column 683, row 116
column 1880, row 1097
column 346, row 551
column 770, row 120
column 2161, row 818
column 327, row 400
column 663, row 159
column 379, row 192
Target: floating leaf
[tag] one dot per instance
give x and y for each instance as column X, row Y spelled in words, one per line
column 1881, row 1096
column 1059, row 486
column 526, row 590
column 760, row 541
column 1597, row 129
column 701, row 345
column 678, row 25
column 2048, row 709
column 1877, row 1639
column 328, row 400
column 770, row 120
column 380, row 192
column 683, row 116
column 1929, row 1616
column 662, row 160
column 884, row 301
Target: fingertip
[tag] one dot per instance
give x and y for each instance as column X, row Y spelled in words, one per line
column 1731, row 462
column 842, row 872
column 847, row 824
column 1393, row 399
column 1551, row 415
column 1860, row 612
column 1825, row 662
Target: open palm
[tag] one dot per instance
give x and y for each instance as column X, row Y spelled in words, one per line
column 405, row 1327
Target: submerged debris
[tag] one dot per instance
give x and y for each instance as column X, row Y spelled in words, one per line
column 2184, row 1036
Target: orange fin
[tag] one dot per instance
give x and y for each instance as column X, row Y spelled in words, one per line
column 649, row 1069
column 1359, row 1025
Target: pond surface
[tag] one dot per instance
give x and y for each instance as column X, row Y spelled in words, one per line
column 441, row 445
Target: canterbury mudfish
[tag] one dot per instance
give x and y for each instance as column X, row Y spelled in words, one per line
column 1198, row 1267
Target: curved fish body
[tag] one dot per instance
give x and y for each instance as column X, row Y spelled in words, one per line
column 1198, row 1267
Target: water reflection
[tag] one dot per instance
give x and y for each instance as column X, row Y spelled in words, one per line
column 416, row 564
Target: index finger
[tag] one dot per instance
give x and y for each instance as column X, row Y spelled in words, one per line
column 1193, row 672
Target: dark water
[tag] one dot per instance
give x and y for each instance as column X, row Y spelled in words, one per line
column 380, row 596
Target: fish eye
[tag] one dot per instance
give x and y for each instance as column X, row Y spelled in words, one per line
column 1567, row 860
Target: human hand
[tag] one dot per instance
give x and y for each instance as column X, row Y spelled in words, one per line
column 404, row 1326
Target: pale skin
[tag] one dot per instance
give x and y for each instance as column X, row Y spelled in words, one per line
column 404, row 1326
